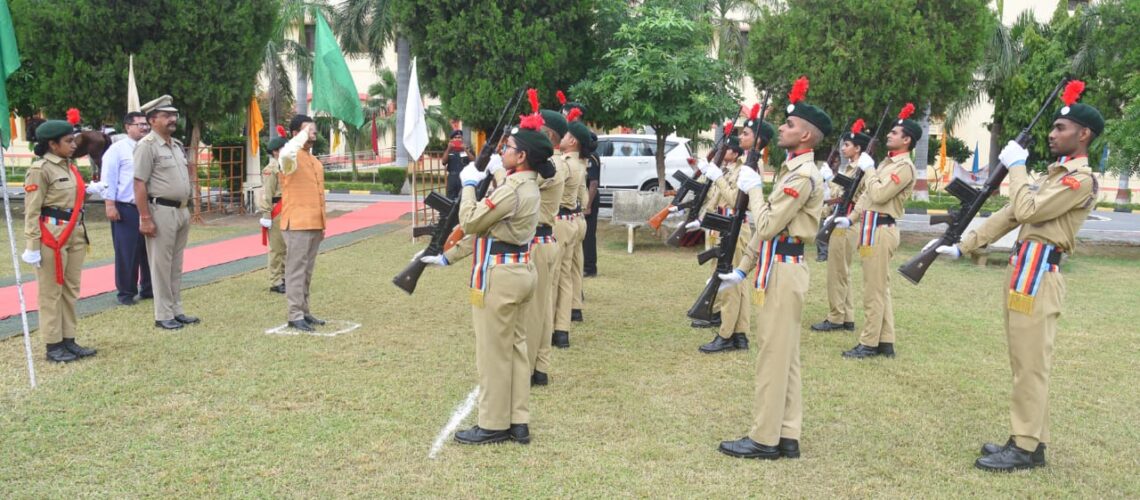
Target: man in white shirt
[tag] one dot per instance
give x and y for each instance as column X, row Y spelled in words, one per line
column 132, row 272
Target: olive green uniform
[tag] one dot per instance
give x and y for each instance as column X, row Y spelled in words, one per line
column 733, row 303
column 569, row 235
column 162, row 166
column 841, row 250
column 270, row 196
column 1050, row 211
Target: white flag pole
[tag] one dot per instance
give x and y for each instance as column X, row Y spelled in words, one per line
column 132, row 90
column 16, row 266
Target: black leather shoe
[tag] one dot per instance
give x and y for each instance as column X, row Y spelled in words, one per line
column 126, row 301
column 477, row 435
column 740, row 340
column 277, row 288
column 301, row 325
column 576, row 315
column 700, row 323
column 991, row 448
column 168, row 324
column 861, row 351
column 789, row 448
column 539, row 378
column 887, row 349
column 59, row 354
column 520, row 433
column 827, row 326
column 718, row 344
column 745, row 447
column 589, row 274
column 76, row 349
column 1012, row 458
column 560, row 339
column 849, row 326
column 313, row 320
column 186, row 320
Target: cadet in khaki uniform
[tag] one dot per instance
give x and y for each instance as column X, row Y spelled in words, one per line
column 270, row 207
column 568, row 233
column 583, row 140
column 56, row 236
column 503, row 279
column 885, row 189
column 162, row 193
column 782, row 225
column 302, row 219
column 1050, row 211
column 840, row 293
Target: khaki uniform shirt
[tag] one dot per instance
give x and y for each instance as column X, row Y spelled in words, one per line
column 575, row 189
column 723, row 191
column 887, row 187
column 270, row 187
column 47, row 183
column 792, row 208
column 1049, row 210
column 550, row 191
column 162, row 166
column 508, row 214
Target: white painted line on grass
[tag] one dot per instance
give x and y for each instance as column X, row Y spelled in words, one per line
column 456, row 418
column 341, row 328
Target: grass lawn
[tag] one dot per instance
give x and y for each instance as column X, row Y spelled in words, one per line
column 223, row 409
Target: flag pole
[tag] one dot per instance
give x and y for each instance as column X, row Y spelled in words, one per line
column 16, row 267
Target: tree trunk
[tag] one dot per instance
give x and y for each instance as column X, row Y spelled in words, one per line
column 995, row 140
column 921, row 191
column 403, row 76
column 272, row 96
column 660, row 157
column 1123, row 192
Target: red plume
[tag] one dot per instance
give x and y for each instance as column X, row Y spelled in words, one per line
column 574, row 115
column 857, row 127
column 728, row 126
column 561, row 98
column 1073, row 92
column 532, row 96
column 799, row 90
column 73, row 117
column 906, row 111
column 281, row 131
column 534, row 120
column 755, row 111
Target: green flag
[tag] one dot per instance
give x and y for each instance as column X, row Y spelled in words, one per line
column 9, row 63
column 333, row 89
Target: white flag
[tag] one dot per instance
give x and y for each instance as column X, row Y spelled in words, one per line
column 132, row 90
column 415, row 119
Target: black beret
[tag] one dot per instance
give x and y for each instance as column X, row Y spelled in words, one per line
column 732, row 142
column 812, row 115
column 762, row 129
column 581, row 132
column 861, row 139
column 1079, row 113
column 910, row 128
column 534, row 143
column 53, row 129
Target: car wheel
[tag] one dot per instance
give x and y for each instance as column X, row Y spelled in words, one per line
column 652, row 186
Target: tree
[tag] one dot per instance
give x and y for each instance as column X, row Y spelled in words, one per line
column 955, row 149
column 660, row 74
column 282, row 48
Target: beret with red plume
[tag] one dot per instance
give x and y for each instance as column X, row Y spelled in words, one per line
column 857, row 135
column 800, row 109
column 528, row 136
column 1080, row 113
column 910, row 127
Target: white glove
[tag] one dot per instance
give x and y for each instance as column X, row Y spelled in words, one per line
column 842, row 222
column 495, row 164
column 675, row 209
column 1013, row 155
column 827, row 173
column 713, row 172
column 96, row 187
column 729, row 280
column 471, row 175
column 31, row 257
column 266, row 222
column 866, row 163
column 435, row 260
column 951, row 251
column 702, row 164
column 748, row 180
column 693, row 226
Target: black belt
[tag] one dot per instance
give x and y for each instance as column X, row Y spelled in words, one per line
column 499, row 247
column 885, row 220
column 543, row 230
column 58, row 213
column 166, row 202
column 565, row 211
column 789, row 249
column 276, row 199
column 1054, row 256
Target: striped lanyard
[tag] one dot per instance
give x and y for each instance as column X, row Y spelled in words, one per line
column 1030, row 262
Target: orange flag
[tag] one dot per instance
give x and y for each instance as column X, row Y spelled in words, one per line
column 255, row 125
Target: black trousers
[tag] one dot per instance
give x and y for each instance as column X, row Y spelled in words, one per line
column 132, row 272
column 590, row 244
column 454, row 187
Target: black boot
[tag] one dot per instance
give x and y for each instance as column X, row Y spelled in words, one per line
column 861, row 351
column 789, row 448
column 560, row 339
column 278, row 288
column 76, row 349
column 301, row 325
column 1012, row 458
column 539, row 378
column 827, row 326
column 576, row 315
column 520, row 433
column 745, row 447
column 186, row 320
column 478, row 435
column 991, row 448
column 312, row 320
column 849, row 326
column 887, row 349
column 59, row 354
column 740, row 340
column 718, row 344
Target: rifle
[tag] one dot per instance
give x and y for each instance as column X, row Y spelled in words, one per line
column 972, row 200
column 729, row 228
column 833, row 156
column 448, row 209
column 850, row 185
column 691, row 184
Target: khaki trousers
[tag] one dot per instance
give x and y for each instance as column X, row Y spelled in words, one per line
column 878, row 314
column 566, row 233
column 1030, row 339
column 539, row 315
column 840, row 293
column 577, row 264
column 501, row 346
column 57, row 302
column 164, row 254
column 276, row 253
column 300, row 258
column 734, row 304
column 778, row 407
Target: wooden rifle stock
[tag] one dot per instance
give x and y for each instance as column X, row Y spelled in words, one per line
column 703, row 308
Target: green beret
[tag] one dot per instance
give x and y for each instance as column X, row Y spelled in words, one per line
column 910, row 128
column 571, row 105
column 732, row 142
column 276, row 143
column 812, row 115
column 762, row 129
column 555, row 121
column 581, row 132
column 53, row 129
column 861, row 139
column 536, row 145
column 1079, row 113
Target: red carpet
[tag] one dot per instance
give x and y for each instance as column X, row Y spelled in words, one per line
column 98, row 280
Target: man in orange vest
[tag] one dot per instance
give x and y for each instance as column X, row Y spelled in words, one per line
column 302, row 179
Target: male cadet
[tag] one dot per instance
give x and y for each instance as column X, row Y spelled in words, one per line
column 885, row 189
column 1050, row 211
column 840, row 294
column 162, row 193
column 457, row 158
column 302, row 218
column 270, row 207
column 782, row 226
column 132, row 271
column 568, row 234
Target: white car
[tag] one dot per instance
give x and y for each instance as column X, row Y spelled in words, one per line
column 629, row 162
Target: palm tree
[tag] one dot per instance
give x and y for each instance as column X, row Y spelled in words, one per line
column 383, row 107
column 730, row 39
column 282, row 49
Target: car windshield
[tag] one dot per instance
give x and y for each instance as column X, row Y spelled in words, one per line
column 630, row 147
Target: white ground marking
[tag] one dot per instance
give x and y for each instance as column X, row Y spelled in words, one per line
column 339, row 325
column 456, row 418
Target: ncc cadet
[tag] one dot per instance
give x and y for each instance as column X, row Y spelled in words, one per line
column 782, row 225
column 841, row 247
column 581, row 139
column 270, row 207
column 569, row 234
column 56, row 236
column 1050, row 211
column 500, row 229
column 162, row 192
column 885, row 189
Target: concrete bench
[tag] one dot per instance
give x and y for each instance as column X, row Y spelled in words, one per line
column 634, row 208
